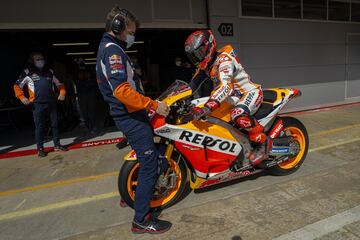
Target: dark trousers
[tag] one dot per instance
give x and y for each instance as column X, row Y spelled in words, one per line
column 40, row 112
column 140, row 136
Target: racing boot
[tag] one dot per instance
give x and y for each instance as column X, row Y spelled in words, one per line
column 150, row 225
column 260, row 143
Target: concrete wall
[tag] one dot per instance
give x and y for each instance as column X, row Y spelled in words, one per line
column 320, row 58
column 35, row 14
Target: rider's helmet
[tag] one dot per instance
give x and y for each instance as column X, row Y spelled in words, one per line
column 200, row 48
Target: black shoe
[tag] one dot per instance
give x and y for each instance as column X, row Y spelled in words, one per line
column 151, row 225
column 60, row 148
column 41, row 152
column 123, row 143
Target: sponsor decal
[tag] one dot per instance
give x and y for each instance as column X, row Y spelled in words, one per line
column 244, row 122
column 237, row 112
column 115, row 59
column 35, row 77
column 190, row 148
column 211, row 104
column 211, row 142
column 222, row 93
column 132, row 154
column 149, row 152
column 249, row 98
column 163, row 130
column 280, row 150
column 276, row 130
column 120, row 71
column 116, row 65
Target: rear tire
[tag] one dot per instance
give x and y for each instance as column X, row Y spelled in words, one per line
column 127, row 185
column 295, row 128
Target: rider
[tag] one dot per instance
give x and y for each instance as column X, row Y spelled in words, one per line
column 229, row 79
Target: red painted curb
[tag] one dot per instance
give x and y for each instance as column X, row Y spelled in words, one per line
column 51, row 149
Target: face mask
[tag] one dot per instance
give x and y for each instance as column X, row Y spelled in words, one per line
column 178, row 63
column 39, row 64
column 130, row 39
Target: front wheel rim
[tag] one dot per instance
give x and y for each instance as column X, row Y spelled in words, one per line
column 154, row 203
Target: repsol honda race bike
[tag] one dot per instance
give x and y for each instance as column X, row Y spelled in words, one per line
column 205, row 152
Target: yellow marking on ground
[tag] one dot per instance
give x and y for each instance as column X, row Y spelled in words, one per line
column 334, row 145
column 104, row 196
column 55, row 206
column 59, row 183
column 334, row 130
column 20, row 204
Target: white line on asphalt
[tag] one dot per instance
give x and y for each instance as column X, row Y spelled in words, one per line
column 54, row 172
column 20, row 204
column 324, row 226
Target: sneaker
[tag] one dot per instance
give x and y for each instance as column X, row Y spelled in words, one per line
column 41, row 152
column 60, row 148
column 150, row 225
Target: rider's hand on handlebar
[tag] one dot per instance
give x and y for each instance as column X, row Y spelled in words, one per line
column 198, row 112
column 163, row 109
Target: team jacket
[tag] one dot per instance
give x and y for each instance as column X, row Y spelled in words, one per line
column 40, row 85
column 118, row 84
column 227, row 74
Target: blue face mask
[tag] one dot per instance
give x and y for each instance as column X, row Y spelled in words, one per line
column 130, row 39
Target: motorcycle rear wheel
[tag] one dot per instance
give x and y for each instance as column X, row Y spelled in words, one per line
column 127, row 182
column 295, row 128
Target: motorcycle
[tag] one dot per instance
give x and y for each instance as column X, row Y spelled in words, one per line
column 202, row 153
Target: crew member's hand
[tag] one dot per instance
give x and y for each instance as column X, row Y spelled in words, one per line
column 162, row 109
column 61, row 97
column 25, row 101
column 198, row 112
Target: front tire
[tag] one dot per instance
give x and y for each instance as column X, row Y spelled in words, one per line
column 295, row 128
column 127, row 183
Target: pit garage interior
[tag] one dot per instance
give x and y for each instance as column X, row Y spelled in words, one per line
column 311, row 45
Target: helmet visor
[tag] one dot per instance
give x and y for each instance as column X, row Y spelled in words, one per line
column 196, row 56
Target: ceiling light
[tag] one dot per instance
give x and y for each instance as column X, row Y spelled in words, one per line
column 90, row 63
column 79, row 53
column 90, row 59
column 139, row 42
column 131, row 51
column 70, row 44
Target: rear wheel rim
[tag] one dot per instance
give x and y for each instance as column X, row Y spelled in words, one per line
column 132, row 183
column 299, row 136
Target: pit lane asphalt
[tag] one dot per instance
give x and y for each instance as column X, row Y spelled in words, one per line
column 74, row 194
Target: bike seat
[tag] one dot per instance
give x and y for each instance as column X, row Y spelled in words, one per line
column 264, row 110
column 267, row 106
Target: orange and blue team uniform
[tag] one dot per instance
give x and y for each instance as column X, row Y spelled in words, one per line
column 122, row 90
column 40, row 86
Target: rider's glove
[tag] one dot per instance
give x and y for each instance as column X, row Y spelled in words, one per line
column 209, row 106
column 198, row 112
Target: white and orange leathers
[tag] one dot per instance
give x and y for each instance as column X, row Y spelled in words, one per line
column 230, row 79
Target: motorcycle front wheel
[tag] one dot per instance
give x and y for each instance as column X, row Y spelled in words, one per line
column 165, row 194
